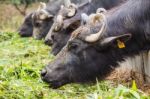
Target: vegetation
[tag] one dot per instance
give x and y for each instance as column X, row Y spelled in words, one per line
column 22, row 5
column 21, row 60
column 20, row 64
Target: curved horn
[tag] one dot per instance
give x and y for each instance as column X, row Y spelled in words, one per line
column 94, row 37
column 72, row 10
column 41, row 6
column 67, row 3
column 59, row 22
column 101, row 10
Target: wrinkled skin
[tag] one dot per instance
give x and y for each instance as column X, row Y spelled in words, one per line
column 81, row 61
column 26, row 28
column 58, row 39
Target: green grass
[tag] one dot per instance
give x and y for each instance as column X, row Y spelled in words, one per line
column 21, row 60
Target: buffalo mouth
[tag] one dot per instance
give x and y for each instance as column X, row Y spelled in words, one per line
column 56, row 83
column 55, row 51
column 24, row 34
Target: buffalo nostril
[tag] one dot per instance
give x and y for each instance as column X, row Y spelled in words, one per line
column 48, row 42
column 43, row 72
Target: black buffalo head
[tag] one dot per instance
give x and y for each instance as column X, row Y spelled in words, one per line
column 26, row 28
column 58, row 39
column 89, row 53
column 42, row 21
column 67, row 20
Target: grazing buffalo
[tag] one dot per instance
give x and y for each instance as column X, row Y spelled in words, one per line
column 44, row 17
column 95, row 49
column 26, row 28
column 68, row 19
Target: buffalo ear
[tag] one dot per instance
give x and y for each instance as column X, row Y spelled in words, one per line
column 45, row 15
column 84, row 18
column 117, row 40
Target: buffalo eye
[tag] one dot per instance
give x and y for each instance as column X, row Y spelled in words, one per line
column 59, row 68
column 53, row 37
column 72, row 45
column 37, row 24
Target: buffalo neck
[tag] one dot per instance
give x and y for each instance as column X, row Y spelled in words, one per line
column 129, row 18
column 91, row 7
column 132, row 17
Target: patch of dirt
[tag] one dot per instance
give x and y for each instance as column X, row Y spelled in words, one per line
column 126, row 76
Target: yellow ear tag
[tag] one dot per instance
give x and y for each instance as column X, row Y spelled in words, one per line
column 121, row 44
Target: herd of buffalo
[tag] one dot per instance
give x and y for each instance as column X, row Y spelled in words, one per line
column 88, row 37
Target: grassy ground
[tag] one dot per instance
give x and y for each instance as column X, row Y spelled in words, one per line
column 21, row 60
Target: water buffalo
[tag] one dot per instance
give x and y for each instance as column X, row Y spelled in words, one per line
column 44, row 16
column 26, row 28
column 95, row 49
column 64, row 24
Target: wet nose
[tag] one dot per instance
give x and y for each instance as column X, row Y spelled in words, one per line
column 43, row 72
column 48, row 42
